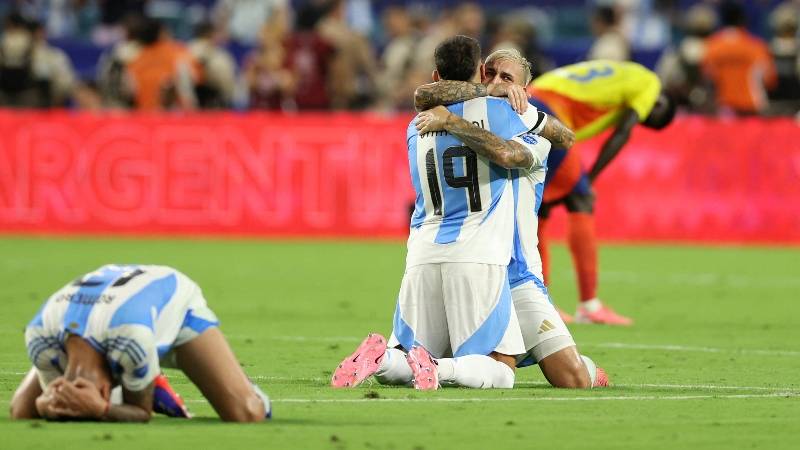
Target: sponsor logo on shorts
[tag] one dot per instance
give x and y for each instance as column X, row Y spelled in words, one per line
column 546, row 326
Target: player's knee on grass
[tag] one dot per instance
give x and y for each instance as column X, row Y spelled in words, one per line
column 565, row 369
column 580, row 202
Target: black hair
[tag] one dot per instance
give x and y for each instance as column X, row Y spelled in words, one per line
column 661, row 117
column 732, row 14
column 606, row 14
column 457, row 57
column 149, row 31
column 204, row 30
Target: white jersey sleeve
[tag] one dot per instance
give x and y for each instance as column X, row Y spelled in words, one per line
column 132, row 356
column 538, row 146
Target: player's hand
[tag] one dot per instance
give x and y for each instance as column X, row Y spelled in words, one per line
column 433, row 119
column 48, row 405
column 82, row 397
column 516, row 94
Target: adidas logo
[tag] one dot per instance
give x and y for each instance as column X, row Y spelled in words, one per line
column 546, row 326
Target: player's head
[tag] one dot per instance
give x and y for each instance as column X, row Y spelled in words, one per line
column 458, row 58
column 662, row 113
column 507, row 65
column 732, row 14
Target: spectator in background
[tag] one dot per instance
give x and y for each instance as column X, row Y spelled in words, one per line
column 52, row 70
column 397, row 60
column 18, row 87
column 308, row 58
column 433, row 33
column 86, row 97
column 268, row 81
column 610, row 43
column 520, row 34
column 163, row 73
column 112, row 15
column 217, row 69
column 242, row 19
column 785, row 98
column 113, row 80
column 739, row 64
column 471, row 21
column 680, row 69
column 353, row 72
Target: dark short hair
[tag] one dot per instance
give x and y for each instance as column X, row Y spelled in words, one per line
column 732, row 14
column 457, row 57
column 662, row 115
column 606, row 14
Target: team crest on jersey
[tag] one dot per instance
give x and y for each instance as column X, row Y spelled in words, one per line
column 530, row 138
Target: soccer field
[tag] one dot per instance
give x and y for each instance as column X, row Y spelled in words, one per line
column 713, row 360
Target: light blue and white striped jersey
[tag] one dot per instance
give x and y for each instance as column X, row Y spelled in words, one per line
column 464, row 202
column 130, row 313
column 528, row 186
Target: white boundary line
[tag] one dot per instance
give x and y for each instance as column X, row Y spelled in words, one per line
column 526, row 399
column 609, row 345
column 787, row 395
column 709, row 387
column 685, row 348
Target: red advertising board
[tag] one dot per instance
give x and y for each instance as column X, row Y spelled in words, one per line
column 347, row 175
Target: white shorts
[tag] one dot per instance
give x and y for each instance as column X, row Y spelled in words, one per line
column 543, row 331
column 456, row 309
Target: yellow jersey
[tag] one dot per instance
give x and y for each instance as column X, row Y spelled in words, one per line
column 590, row 97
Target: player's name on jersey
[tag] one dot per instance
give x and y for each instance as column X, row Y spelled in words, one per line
column 445, row 133
column 85, row 299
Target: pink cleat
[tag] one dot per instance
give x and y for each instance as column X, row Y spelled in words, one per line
column 600, row 378
column 359, row 366
column 423, row 366
column 604, row 315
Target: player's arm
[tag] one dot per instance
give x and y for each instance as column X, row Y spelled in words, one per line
column 557, row 133
column 447, row 92
column 612, row 146
column 509, row 154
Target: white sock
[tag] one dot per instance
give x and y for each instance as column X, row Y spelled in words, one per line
column 591, row 367
column 592, row 305
column 475, row 371
column 394, row 368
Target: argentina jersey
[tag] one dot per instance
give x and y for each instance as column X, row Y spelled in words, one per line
column 132, row 314
column 464, row 203
column 528, row 187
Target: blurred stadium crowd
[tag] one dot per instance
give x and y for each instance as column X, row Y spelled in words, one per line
column 370, row 55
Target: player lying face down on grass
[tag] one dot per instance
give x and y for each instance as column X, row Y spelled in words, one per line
column 117, row 326
column 546, row 338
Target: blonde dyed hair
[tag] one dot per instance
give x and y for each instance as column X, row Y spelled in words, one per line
column 514, row 55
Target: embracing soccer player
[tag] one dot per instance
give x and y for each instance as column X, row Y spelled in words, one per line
column 118, row 325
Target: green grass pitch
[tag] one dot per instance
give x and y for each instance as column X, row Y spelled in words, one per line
column 712, row 362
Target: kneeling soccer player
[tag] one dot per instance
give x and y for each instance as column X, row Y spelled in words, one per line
column 119, row 325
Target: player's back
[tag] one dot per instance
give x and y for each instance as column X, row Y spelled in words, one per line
column 589, row 97
column 116, row 297
column 464, row 205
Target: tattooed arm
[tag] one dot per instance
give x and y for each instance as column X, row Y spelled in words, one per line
column 509, row 154
column 446, row 92
column 557, row 133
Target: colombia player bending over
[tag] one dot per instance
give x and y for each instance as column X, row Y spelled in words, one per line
column 119, row 325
